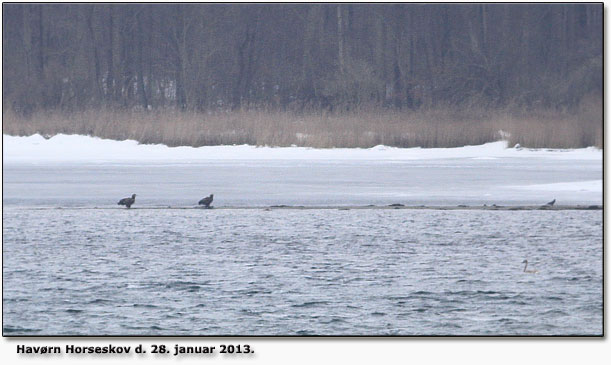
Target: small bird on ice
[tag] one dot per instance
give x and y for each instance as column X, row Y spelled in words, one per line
column 127, row 201
column 206, row 201
column 551, row 203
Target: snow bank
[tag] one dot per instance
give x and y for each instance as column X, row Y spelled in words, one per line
column 75, row 148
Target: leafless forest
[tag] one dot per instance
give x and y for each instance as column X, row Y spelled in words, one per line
column 324, row 75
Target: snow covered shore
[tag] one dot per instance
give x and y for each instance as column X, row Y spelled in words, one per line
column 84, row 149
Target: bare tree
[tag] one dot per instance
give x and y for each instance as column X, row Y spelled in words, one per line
column 300, row 56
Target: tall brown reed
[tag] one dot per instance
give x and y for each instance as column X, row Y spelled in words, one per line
column 431, row 128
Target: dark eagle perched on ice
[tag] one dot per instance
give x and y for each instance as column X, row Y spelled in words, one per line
column 128, row 201
column 206, row 201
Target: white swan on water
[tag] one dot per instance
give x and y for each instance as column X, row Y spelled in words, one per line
column 525, row 262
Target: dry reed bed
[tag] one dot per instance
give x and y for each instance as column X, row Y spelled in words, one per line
column 433, row 128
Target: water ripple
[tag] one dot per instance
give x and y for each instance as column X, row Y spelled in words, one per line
column 327, row 272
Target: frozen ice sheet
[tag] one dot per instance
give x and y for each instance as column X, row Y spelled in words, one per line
column 85, row 171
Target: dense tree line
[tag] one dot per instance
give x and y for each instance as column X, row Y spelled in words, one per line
column 299, row 56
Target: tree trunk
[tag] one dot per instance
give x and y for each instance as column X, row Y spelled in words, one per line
column 180, row 66
column 246, row 62
column 140, row 73
column 41, row 45
column 340, row 40
column 27, row 40
column 96, row 58
column 110, row 87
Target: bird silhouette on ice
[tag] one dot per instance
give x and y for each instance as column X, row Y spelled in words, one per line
column 206, row 201
column 128, row 201
column 549, row 204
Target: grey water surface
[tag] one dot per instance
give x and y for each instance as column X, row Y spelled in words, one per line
column 72, row 269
